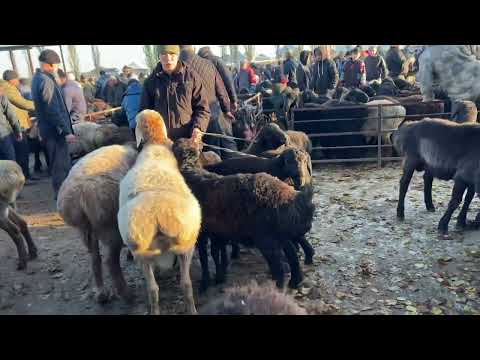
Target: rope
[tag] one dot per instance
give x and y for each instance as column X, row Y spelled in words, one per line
column 227, row 150
column 225, row 136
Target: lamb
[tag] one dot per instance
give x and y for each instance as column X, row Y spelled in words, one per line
column 88, row 201
column 272, row 137
column 253, row 299
column 445, row 150
column 11, row 184
column 392, row 117
column 91, row 136
column 158, row 217
column 254, row 207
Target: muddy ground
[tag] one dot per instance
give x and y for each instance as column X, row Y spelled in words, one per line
column 366, row 262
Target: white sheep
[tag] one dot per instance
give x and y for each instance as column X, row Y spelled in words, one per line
column 11, row 183
column 88, row 201
column 159, row 217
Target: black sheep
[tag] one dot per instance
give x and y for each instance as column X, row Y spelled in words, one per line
column 255, row 207
column 445, row 150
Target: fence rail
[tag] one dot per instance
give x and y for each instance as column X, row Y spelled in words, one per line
column 378, row 132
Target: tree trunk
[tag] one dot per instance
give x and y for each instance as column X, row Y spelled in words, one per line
column 96, row 58
column 74, row 61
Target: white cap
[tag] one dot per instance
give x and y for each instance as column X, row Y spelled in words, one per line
column 133, row 77
column 71, row 76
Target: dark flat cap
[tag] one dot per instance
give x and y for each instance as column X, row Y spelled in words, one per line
column 49, row 57
column 10, row 75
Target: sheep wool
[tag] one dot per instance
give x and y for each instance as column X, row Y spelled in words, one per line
column 11, row 181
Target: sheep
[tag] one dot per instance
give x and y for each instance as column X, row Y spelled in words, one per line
column 91, row 136
column 210, row 158
column 392, row 117
column 271, row 137
column 445, row 150
column 88, row 201
column 253, row 299
column 254, row 207
column 11, row 184
column 464, row 112
column 159, row 217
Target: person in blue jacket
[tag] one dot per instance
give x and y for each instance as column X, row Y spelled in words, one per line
column 131, row 100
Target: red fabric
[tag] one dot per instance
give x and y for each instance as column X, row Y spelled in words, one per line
column 251, row 76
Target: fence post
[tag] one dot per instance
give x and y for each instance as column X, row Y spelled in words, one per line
column 379, row 136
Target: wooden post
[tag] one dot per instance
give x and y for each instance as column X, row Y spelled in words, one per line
column 30, row 62
column 379, row 136
column 63, row 59
column 12, row 59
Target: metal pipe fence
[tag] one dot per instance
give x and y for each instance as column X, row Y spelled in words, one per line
column 379, row 131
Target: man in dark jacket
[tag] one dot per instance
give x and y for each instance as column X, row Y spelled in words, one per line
column 396, row 62
column 354, row 70
column 304, row 77
column 114, row 91
column 290, row 68
column 375, row 66
column 100, row 85
column 225, row 74
column 324, row 73
column 53, row 117
column 217, row 100
column 177, row 93
column 10, row 129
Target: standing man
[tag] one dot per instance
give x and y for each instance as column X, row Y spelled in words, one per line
column 246, row 77
column 304, row 77
column 131, row 101
column 22, row 107
column 375, row 66
column 9, row 128
column 100, row 85
column 176, row 92
column 73, row 96
column 125, row 75
column 54, row 120
column 324, row 73
column 354, row 71
column 290, row 68
column 396, row 59
column 218, row 99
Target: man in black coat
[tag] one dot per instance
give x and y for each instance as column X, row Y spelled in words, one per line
column 324, row 73
column 290, row 69
column 53, row 117
column 396, row 59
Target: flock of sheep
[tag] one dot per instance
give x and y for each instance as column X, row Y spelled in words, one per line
column 162, row 199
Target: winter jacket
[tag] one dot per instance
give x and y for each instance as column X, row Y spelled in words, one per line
column 304, row 77
column 290, row 70
column 88, row 92
column 131, row 102
column 26, row 92
column 246, row 78
column 324, row 76
column 75, row 100
column 53, row 116
column 395, row 60
column 212, row 82
column 375, row 67
column 113, row 94
column 100, row 86
column 225, row 74
column 8, row 120
column 354, row 73
column 20, row 105
column 180, row 98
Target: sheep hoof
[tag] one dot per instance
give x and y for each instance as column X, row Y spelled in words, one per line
column 430, row 209
column 22, row 264
column 401, row 218
column 309, row 260
column 203, row 287
column 102, row 296
column 220, row 279
column 294, row 283
column 461, row 225
column 129, row 256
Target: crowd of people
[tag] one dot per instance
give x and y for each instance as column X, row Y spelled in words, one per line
column 195, row 93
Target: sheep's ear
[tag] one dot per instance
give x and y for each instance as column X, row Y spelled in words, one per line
column 138, row 136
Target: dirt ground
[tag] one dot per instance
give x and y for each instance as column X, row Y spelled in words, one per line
column 366, row 262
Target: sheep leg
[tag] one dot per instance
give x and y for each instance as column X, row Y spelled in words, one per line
column 272, row 255
column 14, row 232
column 186, row 281
column 203, row 255
column 152, row 288
column 101, row 293
column 235, row 254
column 462, row 216
column 307, row 249
column 455, row 200
column 22, row 225
column 404, row 182
column 219, row 254
column 427, row 191
column 116, row 273
column 129, row 255
column 296, row 276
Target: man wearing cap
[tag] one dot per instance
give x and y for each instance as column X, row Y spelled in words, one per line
column 22, row 107
column 176, row 92
column 73, row 96
column 54, row 120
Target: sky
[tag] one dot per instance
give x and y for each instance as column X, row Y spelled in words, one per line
column 110, row 56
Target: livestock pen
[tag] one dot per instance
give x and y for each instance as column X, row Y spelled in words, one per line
column 306, row 119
